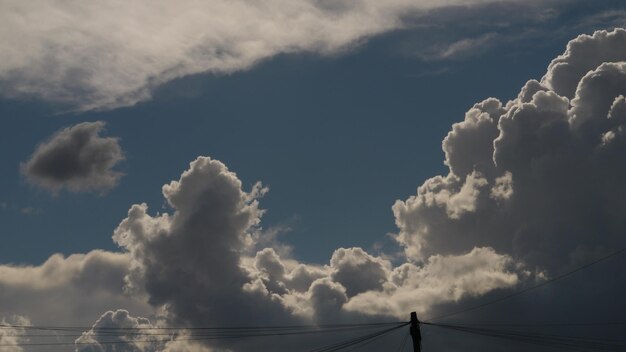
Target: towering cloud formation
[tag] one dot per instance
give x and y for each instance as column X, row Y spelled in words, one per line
column 198, row 248
column 99, row 56
column 76, row 158
column 196, row 265
column 541, row 177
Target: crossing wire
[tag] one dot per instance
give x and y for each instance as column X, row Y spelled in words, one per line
column 358, row 340
column 558, row 341
column 251, row 331
column 370, row 341
column 267, row 327
column 403, row 343
column 77, row 331
column 540, row 325
column 246, row 332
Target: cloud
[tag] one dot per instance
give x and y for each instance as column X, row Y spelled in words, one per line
column 205, row 246
column 127, row 341
column 358, row 271
column 551, row 179
column 11, row 338
column 30, row 211
column 137, row 335
column 72, row 290
column 584, row 54
column 199, row 247
column 535, row 187
column 441, row 279
column 550, row 199
column 461, row 48
column 102, row 56
column 76, row 158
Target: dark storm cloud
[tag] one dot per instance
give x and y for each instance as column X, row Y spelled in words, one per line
column 76, row 158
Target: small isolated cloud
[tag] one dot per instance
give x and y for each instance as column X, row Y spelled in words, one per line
column 461, row 48
column 76, row 158
column 30, row 211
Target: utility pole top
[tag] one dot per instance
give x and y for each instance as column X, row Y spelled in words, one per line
column 416, row 334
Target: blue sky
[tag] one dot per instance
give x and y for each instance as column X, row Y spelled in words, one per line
column 337, row 138
column 395, row 183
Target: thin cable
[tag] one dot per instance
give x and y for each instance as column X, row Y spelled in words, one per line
column 520, row 292
column 557, row 341
column 403, row 344
column 192, row 337
column 268, row 327
column 580, row 338
column 367, row 342
column 351, row 342
column 339, row 345
column 532, row 325
column 362, row 342
column 194, row 332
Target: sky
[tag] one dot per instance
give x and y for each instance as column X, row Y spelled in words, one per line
column 226, row 163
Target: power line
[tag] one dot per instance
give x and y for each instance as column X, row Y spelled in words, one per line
column 213, row 335
column 541, row 325
column 261, row 327
column 364, row 343
column 403, row 343
column 551, row 340
column 216, row 333
column 355, row 341
column 520, row 292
